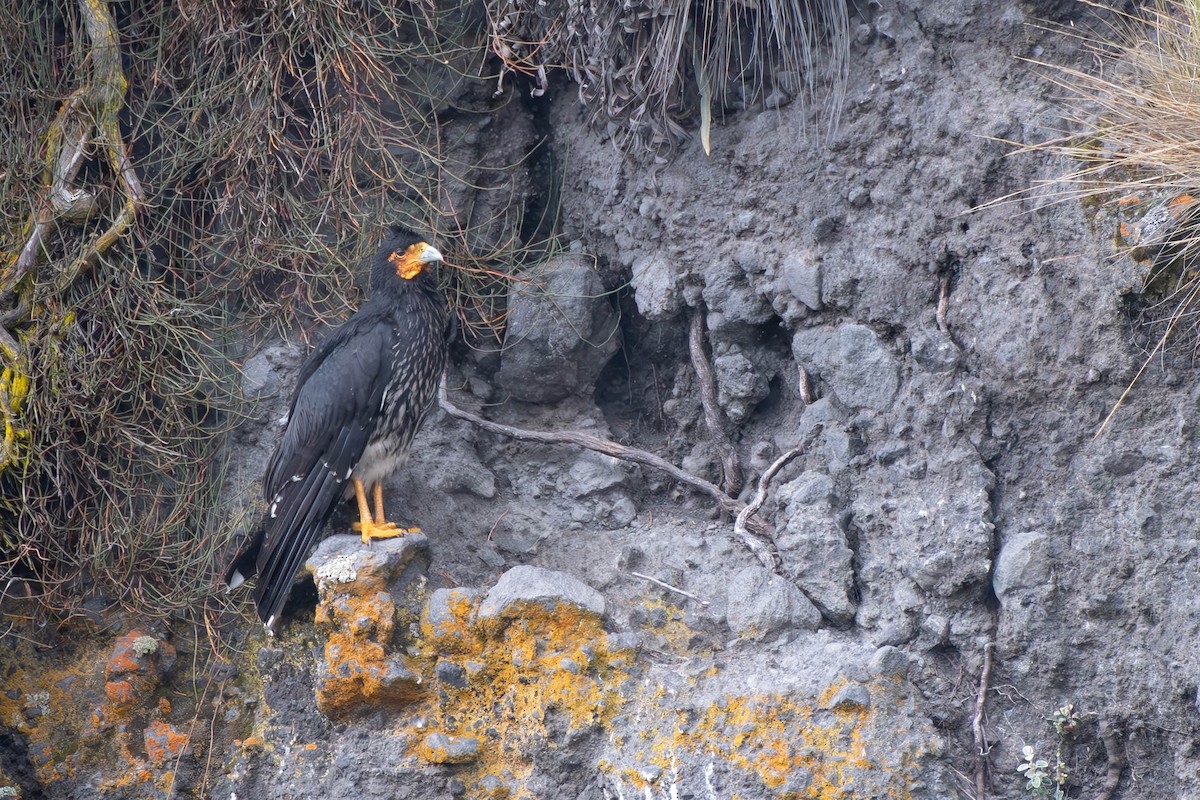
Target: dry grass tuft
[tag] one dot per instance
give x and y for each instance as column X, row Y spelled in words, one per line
column 1138, row 154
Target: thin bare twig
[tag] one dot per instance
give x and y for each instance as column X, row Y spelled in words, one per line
column 731, row 469
column 669, row 587
column 1116, row 762
column 981, row 745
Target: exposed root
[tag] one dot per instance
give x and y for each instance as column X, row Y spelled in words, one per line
column 93, row 108
column 764, row 546
column 731, row 468
column 1116, row 761
column 755, row 533
column 981, row 745
column 806, row 388
column 943, row 306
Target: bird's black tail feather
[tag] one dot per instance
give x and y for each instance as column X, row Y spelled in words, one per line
column 290, row 537
column 244, row 564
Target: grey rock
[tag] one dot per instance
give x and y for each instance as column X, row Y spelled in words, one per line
column 516, row 541
column 851, row 359
column 450, row 673
column 889, row 662
column 934, row 351
column 818, row 559
column 440, row 609
column 934, row 631
column 592, row 473
column 732, row 302
column 438, row 748
column 655, row 281
column 851, row 697
column 838, row 446
column 526, row 584
column 762, row 604
column 1023, row 563
column 344, row 559
column 398, row 681
column 825, row 227
column 629, row 640
column 261, row 371
column 559, row 339
column 810, row 488
column 740, row 384
column 624, row 512
column 800, row 274
column 488, row 555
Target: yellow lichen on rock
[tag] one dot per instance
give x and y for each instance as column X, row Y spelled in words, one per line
column 819, row 748
column 538, row 675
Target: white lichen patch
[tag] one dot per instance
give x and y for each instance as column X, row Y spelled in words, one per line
column 339, row 569
column 143, row 646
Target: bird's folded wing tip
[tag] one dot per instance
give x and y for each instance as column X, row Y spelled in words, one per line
column 236, row 579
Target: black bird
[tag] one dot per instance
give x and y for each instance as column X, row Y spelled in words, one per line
column 359, row 399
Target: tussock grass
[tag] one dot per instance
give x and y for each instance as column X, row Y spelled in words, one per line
column 645, row 68
column 1135, row 115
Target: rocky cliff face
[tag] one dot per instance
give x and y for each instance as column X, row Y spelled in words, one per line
column 575, row 626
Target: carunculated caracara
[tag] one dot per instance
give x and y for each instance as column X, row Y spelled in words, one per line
column 359, row 399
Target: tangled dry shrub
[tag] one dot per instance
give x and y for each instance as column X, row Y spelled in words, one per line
column 269, row 142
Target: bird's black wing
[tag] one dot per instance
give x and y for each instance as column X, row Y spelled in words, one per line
column 334, row 412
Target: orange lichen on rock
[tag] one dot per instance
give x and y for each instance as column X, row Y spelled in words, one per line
column 83, row 711
column 164, row 742
column 132, row 671
column 448, row 621
column 358, row 671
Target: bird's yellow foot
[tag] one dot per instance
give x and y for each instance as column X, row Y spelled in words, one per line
column 380, row 530
column 367, row 526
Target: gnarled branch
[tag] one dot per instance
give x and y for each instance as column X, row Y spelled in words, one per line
column 755, row 533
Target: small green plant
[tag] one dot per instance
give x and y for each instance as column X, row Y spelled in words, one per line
column 1039, row 782
column 1035, row 773
column 1064, row 720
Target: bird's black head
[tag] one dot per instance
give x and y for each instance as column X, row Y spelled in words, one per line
column 403, row 259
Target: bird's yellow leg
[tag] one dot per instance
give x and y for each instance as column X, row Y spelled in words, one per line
column 379, row 502
column 379, row 519
column 377, row 528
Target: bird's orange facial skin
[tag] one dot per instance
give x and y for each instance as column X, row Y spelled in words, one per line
column 409, row 264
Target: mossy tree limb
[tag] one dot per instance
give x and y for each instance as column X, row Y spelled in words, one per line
column 88, row 117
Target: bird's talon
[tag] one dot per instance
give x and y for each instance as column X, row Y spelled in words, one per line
column 381, row 530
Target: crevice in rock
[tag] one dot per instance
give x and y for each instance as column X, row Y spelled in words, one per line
column 636, row 383
column 14, row 762
column 851, row 532
column 541, row 218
